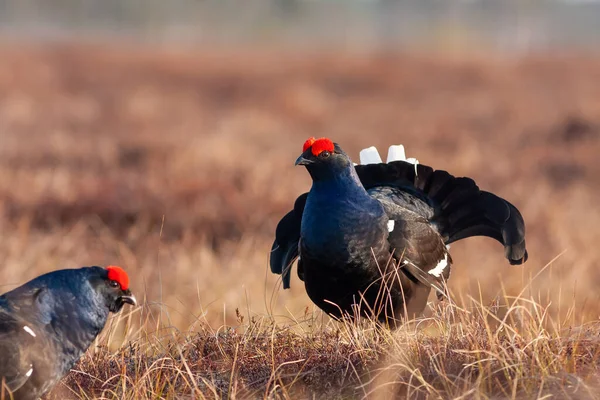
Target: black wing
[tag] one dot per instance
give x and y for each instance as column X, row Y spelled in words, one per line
column 287, row 238
column 418, row 248
column 455, row 206
column 16, row 342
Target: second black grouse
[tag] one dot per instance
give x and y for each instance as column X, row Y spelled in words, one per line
column 48, row 323
column 373, row 238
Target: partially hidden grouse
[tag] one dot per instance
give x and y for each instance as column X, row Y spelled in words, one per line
column 373, row 239
column 49, row 322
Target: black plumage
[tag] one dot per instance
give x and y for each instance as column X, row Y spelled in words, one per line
column 377, row 234
column 49, row 322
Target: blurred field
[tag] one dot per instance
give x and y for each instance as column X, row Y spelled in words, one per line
column 179, row 165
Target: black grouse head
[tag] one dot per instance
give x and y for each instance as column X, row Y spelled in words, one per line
column 112, row 285
column 323, row 159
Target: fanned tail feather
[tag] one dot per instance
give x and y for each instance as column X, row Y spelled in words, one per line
column 369, row 155
column 488, row 215
column 460, row 208
column 396, row 153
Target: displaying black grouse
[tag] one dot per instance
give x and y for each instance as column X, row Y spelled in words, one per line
column 49, row 322
column 375, row 236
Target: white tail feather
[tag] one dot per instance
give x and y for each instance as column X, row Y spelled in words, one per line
column 396, row 153
column 370, row 155
column 415, row 162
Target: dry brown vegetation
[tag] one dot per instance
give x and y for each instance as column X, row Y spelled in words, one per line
column 178, row 166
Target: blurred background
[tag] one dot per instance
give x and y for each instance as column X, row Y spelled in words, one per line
column 161, row 136
column 513, row 25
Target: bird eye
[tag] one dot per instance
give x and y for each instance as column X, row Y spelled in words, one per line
column 114, row 284
column 325, row 154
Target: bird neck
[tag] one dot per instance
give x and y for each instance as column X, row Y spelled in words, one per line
column 85, row 322
column 339, row 210
column 73, row 317
column 342, row 184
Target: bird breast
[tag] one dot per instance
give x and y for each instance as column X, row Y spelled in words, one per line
column 343, row 233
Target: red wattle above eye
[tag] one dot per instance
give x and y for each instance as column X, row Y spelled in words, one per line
column 118, row 275
column 309, row 142
column 321, row 145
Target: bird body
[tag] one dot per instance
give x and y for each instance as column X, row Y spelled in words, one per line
column 376, row 235
column 48, row 323
column 340, row 223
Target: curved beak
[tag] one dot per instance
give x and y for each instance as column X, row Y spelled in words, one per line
column 303, row 161
column 129, row 298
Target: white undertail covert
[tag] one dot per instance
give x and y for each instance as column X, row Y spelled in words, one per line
column 370, row 155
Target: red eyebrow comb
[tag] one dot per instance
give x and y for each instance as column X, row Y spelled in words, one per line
column 321, row 145
column 309, row 142
column 118, row 275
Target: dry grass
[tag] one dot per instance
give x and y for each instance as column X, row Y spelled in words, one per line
column 178, row 166
column 512, row 351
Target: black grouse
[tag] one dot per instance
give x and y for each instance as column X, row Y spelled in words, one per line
column 373, row 238
column 49, row 322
